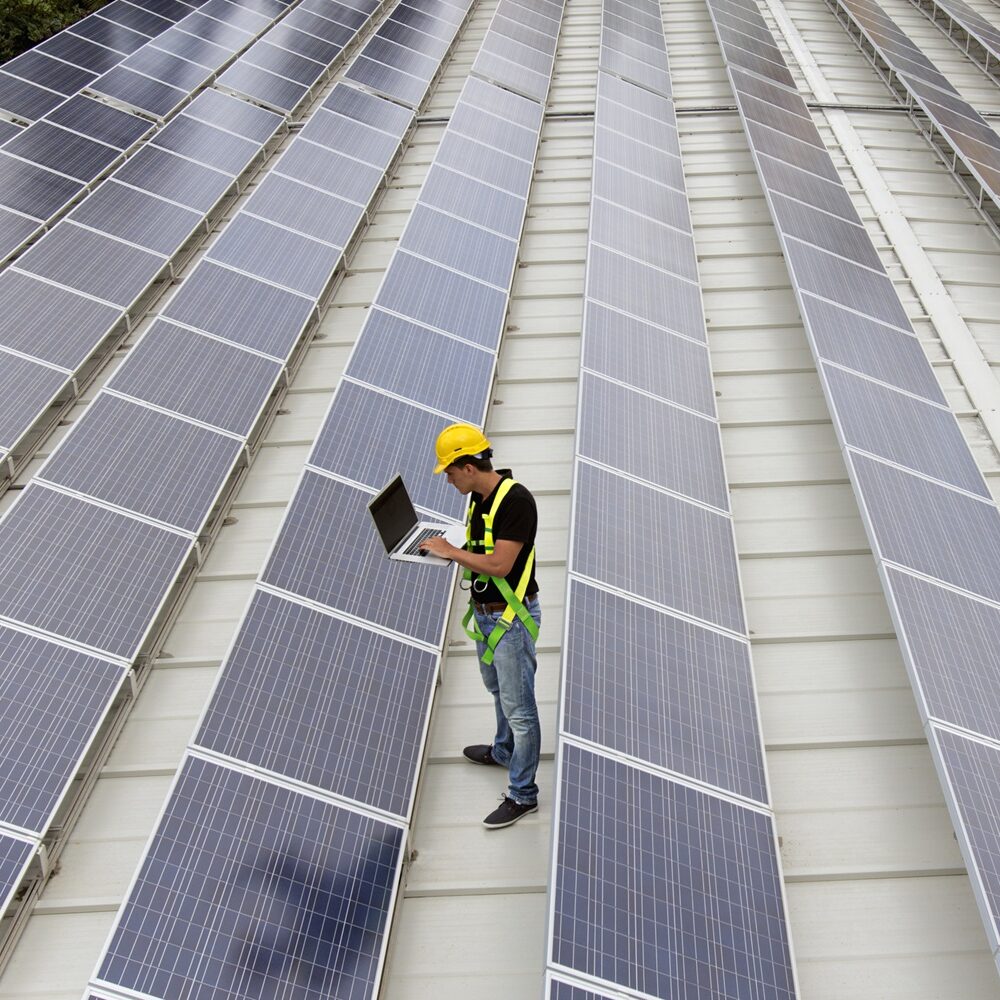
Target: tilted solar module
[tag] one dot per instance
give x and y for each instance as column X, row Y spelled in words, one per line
column 15, row 856
column 974, row 34
column 933, row 526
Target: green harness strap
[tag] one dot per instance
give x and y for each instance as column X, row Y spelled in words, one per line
column 514, row 598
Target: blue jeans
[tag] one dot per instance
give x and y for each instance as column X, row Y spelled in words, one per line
column 510, row 678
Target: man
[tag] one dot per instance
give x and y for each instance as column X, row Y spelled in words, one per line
column 499, row 560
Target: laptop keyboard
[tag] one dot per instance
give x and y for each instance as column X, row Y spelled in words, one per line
column 413, row 549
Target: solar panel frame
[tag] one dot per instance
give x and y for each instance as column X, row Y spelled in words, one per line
column 324, row 702
column 303, row 865
column 144, row 460
column 153, row 373
column 94, row 576
column 52, row 702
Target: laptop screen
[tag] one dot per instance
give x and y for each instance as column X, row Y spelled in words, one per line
column 393, row 513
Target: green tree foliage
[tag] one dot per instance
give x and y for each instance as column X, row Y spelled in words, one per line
column 24, row 23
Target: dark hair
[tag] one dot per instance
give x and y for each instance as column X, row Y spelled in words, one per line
column 481, row 462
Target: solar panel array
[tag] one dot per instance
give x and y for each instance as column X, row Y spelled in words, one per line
column 50, row 164
column 101, row 539
column 949, row 121
column 39, row 80
column 933, row 526
column 319, row 716
column 977, row 36
column 665, row 879
column 68, row 299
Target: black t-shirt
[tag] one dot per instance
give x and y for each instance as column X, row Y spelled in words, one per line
column 516, row 521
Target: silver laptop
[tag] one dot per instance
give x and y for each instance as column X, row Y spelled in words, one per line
column 401, row 532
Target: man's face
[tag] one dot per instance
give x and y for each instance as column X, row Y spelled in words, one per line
column 461, row 476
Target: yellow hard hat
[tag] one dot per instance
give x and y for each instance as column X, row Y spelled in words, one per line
column 457, row 440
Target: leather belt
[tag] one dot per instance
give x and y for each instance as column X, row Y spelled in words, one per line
column 488, row 609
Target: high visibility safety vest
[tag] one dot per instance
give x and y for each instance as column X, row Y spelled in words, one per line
column 514, row 598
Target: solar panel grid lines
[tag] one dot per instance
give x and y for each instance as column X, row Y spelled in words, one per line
column 981, row 38
column 16, row 854
column 293, row 893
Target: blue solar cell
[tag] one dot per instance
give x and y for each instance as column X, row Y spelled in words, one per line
column 320, row 28
column 645, row 239
column 358, row 416
column 90, row 262
column 330, row 704
column 951, row 642
column 137, row 91
column 930, row 528
column 559, row 990
column 33, row 190
column 80, row 52
column 651, row 440
column 330, row 171
column 304, row 209
column 250, row 890
column 641, row 195
column 871, row 348
column 134, row 17
column 470, row 199
column 235, row 115
column 78, row 570
column 146, row 461
column 15, row 231
column 693, row 880
column 14, row 857
column 328, row 551
column 336, row 131
column 59, row 149
column 289, row 65
column 647, row 358
column 101, row 121
column 460, row 246
column 44, row 71
column 260, row 85
column 241, row 309
column 973, row 771
column 115, row 36
column 197, row 50
column 369, row 109
column 182, row 371
column 229, row 37
column 52, row 700
column 207, row 144
column 8, row 130
column 493, row 166
column 662, row 690
column 647, row 293
column 51, row 323
column 175, row 178
column 440, row 372
column 444, row 299
column 683, row 557
column 904, row 430
column 26, row 391
column 277, row 255
column 160, row 65
column 388, row 81
column 287, row 36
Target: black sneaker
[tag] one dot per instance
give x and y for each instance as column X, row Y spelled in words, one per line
column 506, row 813
column 481, row 754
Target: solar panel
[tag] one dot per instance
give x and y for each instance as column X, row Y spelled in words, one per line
column 640, row 195
column 504, row 103
column 93, row 263
column 263, row 86
column 471, row 199
column 137, row 217
column 651, row 440
column 297, row 206
column 387, row 81
column 330, row 171
column 907, row 431
column 444, row 299
column 662, row 690
column 27, row 389
column 638, row 157
column 134, row 17
column 288, row 259
column 846, row 239
column 201, row 51
column 357, row 414
column 327, row 516
column 145, row 461
column 15, row 230
column 225, row 35
column 36, row 67
column 645, row 239
column 104, row 32
column 133, row 89
column 400, row 33
column 234, row 115
column 168, row 68
column 175, row 178
column 49, row 322
column 560, row 990
column 181, row 371
column 52, row 700
column 80, row 52
column 58, row 149
column 241, row 309
column 34, row 191
column 319, row 700
column 361, row 141
column 239, row 15
column 15, row 856
column 290, row 65
column 443, row 373
column 370, row 110
column 100, row 121
column 700, row 577
column 320, row 50
column 78, row 570
column 485, row 163
column 646, row 357
column 665, row 890
column 935, row 530
column 207, row 144
column 249, row 889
